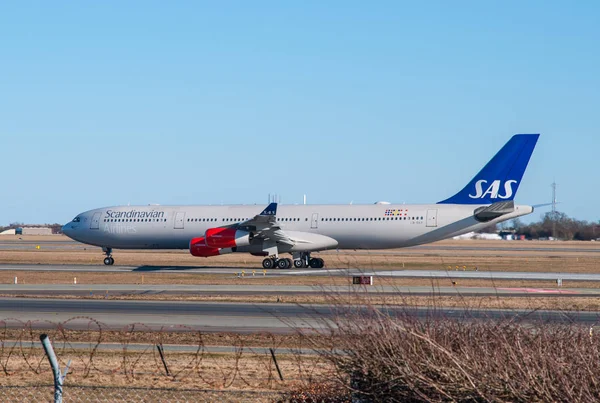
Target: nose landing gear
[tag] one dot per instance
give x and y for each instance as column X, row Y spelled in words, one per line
column 108, row 260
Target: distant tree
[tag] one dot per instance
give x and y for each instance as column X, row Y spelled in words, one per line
column 516, row 224
column 492, row 228
column 559, row 225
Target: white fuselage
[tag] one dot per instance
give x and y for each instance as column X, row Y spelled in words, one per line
column 377, row 226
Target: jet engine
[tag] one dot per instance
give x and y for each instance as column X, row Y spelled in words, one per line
column 199, row 248
column 227, row 238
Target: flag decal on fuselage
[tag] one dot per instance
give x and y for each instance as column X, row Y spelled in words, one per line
column 395, row 212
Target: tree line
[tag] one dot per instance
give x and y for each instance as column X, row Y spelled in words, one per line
column 556, row 225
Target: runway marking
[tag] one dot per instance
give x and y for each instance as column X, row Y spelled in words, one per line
column 540, row 290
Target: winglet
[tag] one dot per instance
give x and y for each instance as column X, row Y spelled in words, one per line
column 500, row 178
column 271, row 210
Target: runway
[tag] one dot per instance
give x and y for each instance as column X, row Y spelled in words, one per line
column 432, row 274
column 141, row 290
column 231, row 317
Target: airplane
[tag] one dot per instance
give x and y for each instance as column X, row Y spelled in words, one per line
column 299, row 230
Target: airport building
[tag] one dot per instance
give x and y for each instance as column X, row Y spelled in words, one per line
column 28, row 231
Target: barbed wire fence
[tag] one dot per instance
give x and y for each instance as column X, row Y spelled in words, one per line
column 138, row 363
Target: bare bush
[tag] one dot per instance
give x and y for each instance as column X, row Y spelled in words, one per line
column 397, row 356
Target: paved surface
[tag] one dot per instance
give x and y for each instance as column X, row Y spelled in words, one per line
column 141, row 290
column 487, row 275
column 230, row 317
column 159, row 315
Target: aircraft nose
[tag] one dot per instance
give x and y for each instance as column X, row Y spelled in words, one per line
column 67, row 229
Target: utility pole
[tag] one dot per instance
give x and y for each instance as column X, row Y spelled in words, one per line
column 554, row 209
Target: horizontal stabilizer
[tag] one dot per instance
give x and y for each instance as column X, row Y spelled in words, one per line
column 488, row 213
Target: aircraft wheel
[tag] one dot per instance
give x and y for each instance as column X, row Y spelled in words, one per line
column 109, row 261
column 321, row 263
column 314, row 263
column 268, row 263
column 299, row 263
column 283, row 264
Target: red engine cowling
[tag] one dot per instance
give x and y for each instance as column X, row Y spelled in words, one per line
column 198, row 248
column 226, row 238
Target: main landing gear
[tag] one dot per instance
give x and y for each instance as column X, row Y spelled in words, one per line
column 108, row 260
column 270, row 263
column 299, row 262
column 316, row 263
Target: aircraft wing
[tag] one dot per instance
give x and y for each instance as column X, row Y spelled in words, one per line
column 266, row 227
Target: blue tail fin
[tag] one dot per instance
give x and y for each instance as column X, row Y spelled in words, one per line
column 270, row 210
column 500, row 178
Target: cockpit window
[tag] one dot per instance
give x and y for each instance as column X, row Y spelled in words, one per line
column 77, row 219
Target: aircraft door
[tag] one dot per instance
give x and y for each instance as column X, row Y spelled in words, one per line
column 314, row 222
column 95, row 224
column 179, row 219
column 432, row 218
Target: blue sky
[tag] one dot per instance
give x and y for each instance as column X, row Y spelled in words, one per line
column 105, row 103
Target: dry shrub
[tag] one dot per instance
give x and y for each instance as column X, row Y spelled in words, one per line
column 320, row 392
column 391, row 355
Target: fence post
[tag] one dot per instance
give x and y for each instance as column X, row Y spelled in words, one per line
column 276, row 364
column 159, row 347
column 59, row 378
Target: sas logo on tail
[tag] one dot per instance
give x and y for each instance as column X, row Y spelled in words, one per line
column 493, row 189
